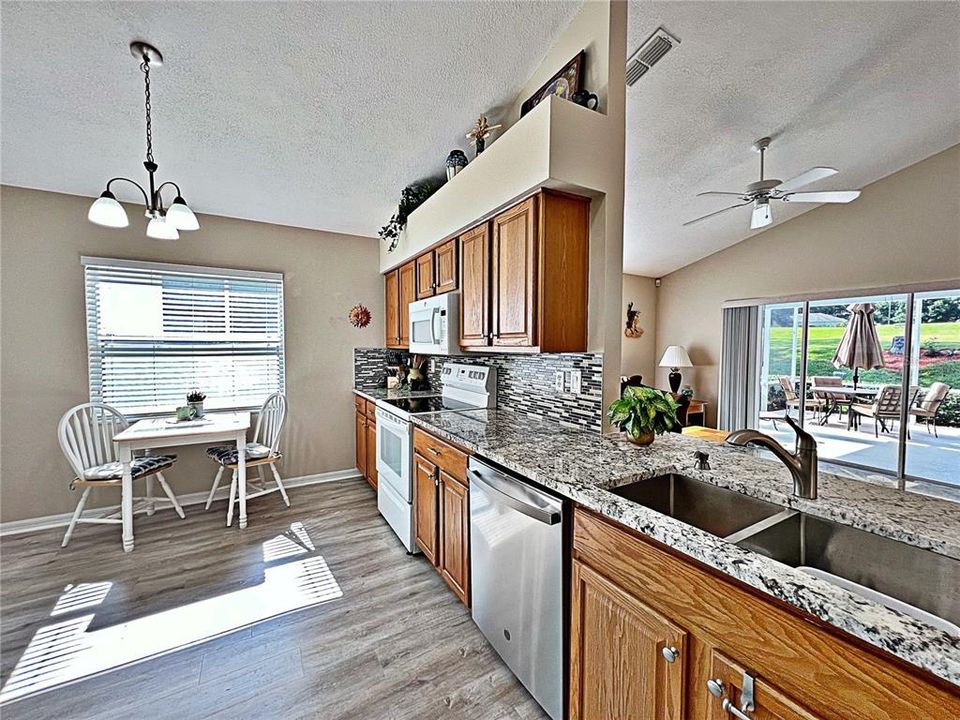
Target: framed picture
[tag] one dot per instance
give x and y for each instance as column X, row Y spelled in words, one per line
column 564, row 84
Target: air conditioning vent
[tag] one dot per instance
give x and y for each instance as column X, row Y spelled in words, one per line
column 649, row 54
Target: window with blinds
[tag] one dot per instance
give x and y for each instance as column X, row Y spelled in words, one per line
column 157, row 331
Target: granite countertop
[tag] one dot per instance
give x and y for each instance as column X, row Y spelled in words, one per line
column 585, row 466
column 385, row 394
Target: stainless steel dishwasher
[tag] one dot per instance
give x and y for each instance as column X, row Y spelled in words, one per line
column 517, row 578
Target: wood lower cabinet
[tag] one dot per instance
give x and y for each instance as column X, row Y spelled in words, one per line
column 371, row 469
column 524, row 277
column 399, row 290
column 365, row 437
column 626, row 660
column 442, row 510
column 632, row 597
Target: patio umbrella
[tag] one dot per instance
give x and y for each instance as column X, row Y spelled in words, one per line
column 859, row 348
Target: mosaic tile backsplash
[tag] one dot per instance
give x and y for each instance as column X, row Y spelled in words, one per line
column 525, row 383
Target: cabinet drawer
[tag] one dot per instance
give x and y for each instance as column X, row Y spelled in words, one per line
column 444, row 455
column 371, row 411
column 361, row 404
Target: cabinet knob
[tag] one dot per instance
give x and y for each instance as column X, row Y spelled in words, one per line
column 715, row 687
column 670, row 654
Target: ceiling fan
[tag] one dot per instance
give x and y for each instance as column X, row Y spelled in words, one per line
column 760, row 193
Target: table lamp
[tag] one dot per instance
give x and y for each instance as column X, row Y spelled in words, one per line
column 675, row 357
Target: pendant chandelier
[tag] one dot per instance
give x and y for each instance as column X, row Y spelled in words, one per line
column 165, row 223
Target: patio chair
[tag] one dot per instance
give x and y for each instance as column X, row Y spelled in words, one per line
column 86, row 435
column 793, row 400
column 831, row 401
column 885, row 407
column 930, row 406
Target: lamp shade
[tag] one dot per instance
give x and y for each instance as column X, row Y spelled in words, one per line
column 181, row 216
column 106, row 211
column 675, row 356
column 160, row 229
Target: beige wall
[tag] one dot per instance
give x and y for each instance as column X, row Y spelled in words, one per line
column 44, row 365
column 903, row 229
column 638, row 356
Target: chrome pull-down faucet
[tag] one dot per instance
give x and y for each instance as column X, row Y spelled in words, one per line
column 802, row 464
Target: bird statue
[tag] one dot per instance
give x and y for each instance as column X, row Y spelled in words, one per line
column 480, row 132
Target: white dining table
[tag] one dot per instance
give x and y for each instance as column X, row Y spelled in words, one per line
column 164, row 432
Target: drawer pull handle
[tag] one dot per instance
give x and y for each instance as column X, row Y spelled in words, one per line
column 670, row 654
column 434, row 451
column 715, row 686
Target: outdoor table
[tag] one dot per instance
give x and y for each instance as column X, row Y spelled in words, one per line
column 838, row 393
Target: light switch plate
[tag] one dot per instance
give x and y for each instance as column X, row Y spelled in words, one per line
column 575, row 382
column 558, row 381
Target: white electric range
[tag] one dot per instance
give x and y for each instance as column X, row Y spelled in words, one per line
column 464, row 387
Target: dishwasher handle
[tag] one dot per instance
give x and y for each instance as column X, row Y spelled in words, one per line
column 513, row 495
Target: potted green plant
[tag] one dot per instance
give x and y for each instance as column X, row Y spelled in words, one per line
column 643, row 413
column 195, row 400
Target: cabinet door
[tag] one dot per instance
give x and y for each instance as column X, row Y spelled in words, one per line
column 361, row 439
column 426, row 516
column 455, row 536
column 391, row 307
column 371, row 473
column 618, row 670
column 769, row 702
column 445, row 266
column 408, row 293
column 475, row 287
column 426, row 281
column 515, row 276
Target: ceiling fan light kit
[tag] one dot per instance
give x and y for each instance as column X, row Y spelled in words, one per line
column 760, row 193
column 165, row 223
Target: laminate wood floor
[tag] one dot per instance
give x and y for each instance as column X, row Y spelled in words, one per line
column 382, row 638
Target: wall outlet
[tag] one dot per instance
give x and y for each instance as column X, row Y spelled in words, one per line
column 575, row 382
column 558, row 381
column 433, row 364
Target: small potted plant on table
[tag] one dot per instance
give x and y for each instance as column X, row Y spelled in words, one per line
column 643, row 413
column 195, row 400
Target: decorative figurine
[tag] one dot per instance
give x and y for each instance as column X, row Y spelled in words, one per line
column 480, row 132
column 585, row 98
column 359, row 316
column 633, row 329
column 456, row 161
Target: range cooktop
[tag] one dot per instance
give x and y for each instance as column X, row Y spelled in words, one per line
column 430, row 404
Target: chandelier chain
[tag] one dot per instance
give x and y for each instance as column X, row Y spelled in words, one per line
column 145, row 67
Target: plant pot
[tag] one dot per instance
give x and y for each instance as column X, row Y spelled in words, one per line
column 198, row 408
column 645, row 438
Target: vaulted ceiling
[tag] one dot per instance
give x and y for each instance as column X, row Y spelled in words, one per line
column 866, row 87
column 313, row 114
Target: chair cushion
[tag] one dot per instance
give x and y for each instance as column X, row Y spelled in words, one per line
column 138, row 467
column 227, row 454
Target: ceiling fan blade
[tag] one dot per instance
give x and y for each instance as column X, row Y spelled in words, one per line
column 811, row 175
column 830, row 196
column 761, row 216
column 691, row 222
column 718, row 192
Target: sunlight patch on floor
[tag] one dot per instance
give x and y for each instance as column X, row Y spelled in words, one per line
column 66, row 651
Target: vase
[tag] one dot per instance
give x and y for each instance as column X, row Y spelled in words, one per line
column 197, row 408
column 643, row 439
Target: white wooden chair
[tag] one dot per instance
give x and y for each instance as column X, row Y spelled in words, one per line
column 264, row 450
column 86, row 437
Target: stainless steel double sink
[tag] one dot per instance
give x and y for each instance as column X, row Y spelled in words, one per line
column 907, row 573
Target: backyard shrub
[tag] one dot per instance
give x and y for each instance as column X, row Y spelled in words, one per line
column 949, row 414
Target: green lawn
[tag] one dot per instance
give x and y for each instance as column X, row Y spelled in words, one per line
column 824, row 341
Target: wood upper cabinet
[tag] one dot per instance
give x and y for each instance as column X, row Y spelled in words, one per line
column 391, row 308
column 524, row 277
column 769, row 702
column 627, row 661
column 631, row 597
column 371, row 448
column 445, row 266
column 426, row 491
column 455, row 535
column 514, row 272
column 408, row 293
column 426, row 278
column 475, row 287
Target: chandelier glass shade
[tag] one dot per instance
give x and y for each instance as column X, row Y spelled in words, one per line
column 165, row 222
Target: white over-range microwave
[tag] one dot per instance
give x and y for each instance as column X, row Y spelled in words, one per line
column 435, row 325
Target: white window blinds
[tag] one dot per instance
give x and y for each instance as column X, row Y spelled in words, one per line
column 156, row 331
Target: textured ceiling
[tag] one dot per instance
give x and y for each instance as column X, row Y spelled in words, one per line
column 313, row 114
column 868, row 88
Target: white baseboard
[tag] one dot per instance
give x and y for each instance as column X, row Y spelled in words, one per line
column 18, row 527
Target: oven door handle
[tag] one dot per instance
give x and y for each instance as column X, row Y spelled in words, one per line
column 501, row 493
